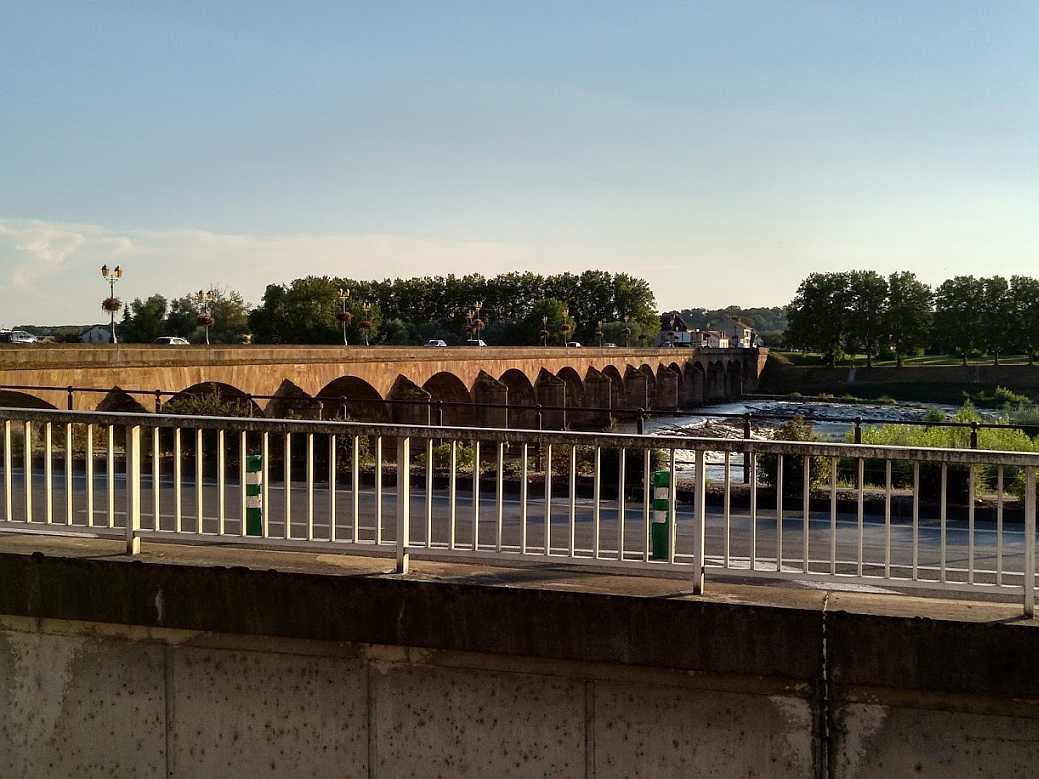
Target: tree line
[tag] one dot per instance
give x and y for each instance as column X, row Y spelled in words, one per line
column 863, row 312
column 508, row 309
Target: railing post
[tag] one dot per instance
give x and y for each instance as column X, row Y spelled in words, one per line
column 440, row 413
column 345, row 416
column 746, row 455
column 133, row 489
column 158, row 401
column 1029, row 577
column 541, row 421
column 71, row 403
column 403, row 503
column 640, row 422
column 858, row 430
column 699, row 530
column 973, row 435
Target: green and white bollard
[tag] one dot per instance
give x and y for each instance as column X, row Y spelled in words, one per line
column 254, row 495
column 660, row 537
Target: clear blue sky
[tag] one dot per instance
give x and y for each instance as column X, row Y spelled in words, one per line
column 722, row 150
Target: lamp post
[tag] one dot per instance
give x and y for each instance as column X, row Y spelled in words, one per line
column 598, row 332
column 343, row 315
column 366, row 323
column 205, row 316
column 565, row 328
column 544, row 329
column 477, row 323
column 111, row 304
column 627, row 330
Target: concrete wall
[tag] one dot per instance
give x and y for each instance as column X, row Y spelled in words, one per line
column 110, row 667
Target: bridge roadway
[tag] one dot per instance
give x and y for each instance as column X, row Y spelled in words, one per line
column 283, row 379
column 957, row 535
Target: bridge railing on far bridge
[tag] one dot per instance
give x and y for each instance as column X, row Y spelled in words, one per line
column 935, row 519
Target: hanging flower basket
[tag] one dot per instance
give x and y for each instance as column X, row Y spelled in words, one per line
column 344, row 316
column 111, row 304
column 365, row 324
column 205, row 320
column 566, row 328
column 477, row 324
column 544, row 333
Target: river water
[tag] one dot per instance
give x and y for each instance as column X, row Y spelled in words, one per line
column 763, row 429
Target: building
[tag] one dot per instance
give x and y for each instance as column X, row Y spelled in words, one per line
column 673, row 330
column 96, row 334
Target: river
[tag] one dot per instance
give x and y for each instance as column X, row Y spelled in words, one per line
column 763, row 429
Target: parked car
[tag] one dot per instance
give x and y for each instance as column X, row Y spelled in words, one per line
column 475, row 342
column 573, row 344
column 18, row 337
column 172, row 340
column 435, row 342
column 609, row 345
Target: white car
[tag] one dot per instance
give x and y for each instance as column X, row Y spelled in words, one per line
column 18, row 337
column 475, row 342
column 435, row 342
column 172, row 340
column 609, row 345
column 573, row 344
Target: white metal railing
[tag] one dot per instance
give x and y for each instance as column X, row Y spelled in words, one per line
column 949, row 520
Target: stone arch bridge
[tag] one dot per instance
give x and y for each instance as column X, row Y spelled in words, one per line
column 475, row 385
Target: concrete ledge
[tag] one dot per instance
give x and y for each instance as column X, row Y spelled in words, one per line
column 679, row 633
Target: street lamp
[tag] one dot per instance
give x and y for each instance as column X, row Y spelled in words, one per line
column 343, row 315
column 366, row 323
column 205, row 316
column 111, row 304
column 598, row 332
column 476, row 323
column 544, row 329
column 627, row 330
column 566, row 327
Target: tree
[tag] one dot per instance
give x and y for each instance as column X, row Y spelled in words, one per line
column 867, row 292
column 995, row 331
column 818, row 315
column 551, row 316
column 143, row 321
column 909, row 313
column 230, row 317
column 957, row 318
column 1024, row 315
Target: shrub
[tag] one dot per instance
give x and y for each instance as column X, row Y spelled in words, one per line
column 796, row 429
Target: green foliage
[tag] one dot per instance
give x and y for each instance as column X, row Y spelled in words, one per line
column 1007, row 396
column 909, row 313
column 999, row 439
column 819, row 314
column 796, row 429
column 212, row 403
column 437, row 307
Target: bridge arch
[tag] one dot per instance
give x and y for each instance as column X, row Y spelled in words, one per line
column 458, row 407
column 694, row 384
column 13, row 399
column 715, row 382
column 574, row 391
column 616, row 385
column 212, row 398
column 521, row 399
column 119, row 400
column 734, row 381
column 292, row 401
column 363, row 402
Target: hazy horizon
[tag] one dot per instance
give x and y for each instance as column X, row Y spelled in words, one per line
column 721, row 151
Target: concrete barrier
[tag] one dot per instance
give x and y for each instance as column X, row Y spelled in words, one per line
column 192, row 664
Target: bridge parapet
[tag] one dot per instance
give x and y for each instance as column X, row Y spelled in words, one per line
column 39, row 376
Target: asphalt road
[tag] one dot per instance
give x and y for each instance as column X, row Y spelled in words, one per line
column 740, row 532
